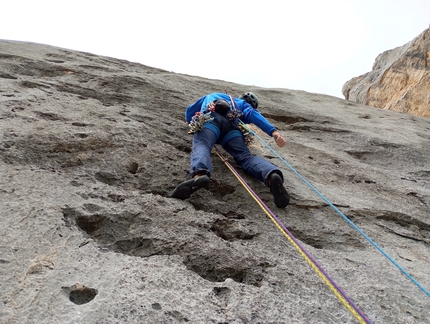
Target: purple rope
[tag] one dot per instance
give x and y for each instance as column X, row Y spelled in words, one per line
column 314, row 261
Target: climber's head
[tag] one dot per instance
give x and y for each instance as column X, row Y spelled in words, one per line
column 250, row 98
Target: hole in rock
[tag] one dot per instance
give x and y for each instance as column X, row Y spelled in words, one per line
column 233, row 215
column 221, row 291
column 89, row 224
column 80, row 294
column 80, row 124
column 286, row 119
column 106, row 177
column 215, row 271
column 220, row 189
column 184, row 148
column 232, row 230
column 156, row 306
column 133, row 167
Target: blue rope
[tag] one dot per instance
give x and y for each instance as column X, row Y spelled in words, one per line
column 343, row 216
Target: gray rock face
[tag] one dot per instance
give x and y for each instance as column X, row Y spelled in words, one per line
column 91, row 148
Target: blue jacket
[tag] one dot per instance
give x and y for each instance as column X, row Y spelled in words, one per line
column 250, row 115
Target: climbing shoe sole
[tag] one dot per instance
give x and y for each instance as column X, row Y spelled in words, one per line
column 280, row 194
column 186, row 188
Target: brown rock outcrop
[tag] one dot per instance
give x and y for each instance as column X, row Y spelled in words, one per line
column 399, row 80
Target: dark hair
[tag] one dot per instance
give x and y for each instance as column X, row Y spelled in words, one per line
column 221, row 106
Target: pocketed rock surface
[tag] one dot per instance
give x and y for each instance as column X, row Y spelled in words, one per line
column 91, row 148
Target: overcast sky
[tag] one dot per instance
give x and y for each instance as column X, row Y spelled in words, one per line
column 310, row 45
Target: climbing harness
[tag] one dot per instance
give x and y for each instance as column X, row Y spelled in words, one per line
column 341, row 214
column 200, row 118
column 340, row 294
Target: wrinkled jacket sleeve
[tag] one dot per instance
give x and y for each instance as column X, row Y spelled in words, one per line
column 252, row 116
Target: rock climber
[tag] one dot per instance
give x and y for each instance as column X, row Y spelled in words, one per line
column 214, row 119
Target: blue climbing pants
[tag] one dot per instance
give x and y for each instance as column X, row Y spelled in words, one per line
column 224, row 132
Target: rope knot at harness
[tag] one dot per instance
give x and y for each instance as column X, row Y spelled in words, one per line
column 211, row 107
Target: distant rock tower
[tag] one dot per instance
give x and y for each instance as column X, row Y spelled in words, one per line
column 399, row 80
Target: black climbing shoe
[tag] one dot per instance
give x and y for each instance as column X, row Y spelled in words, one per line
column 186, row 188
column 280, row 194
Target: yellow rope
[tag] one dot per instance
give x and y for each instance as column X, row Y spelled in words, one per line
column 299, row 249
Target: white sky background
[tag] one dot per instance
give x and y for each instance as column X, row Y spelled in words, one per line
column 310, row 45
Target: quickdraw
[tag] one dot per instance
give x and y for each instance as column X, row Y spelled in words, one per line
column 247, row 135
column 198, row 121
